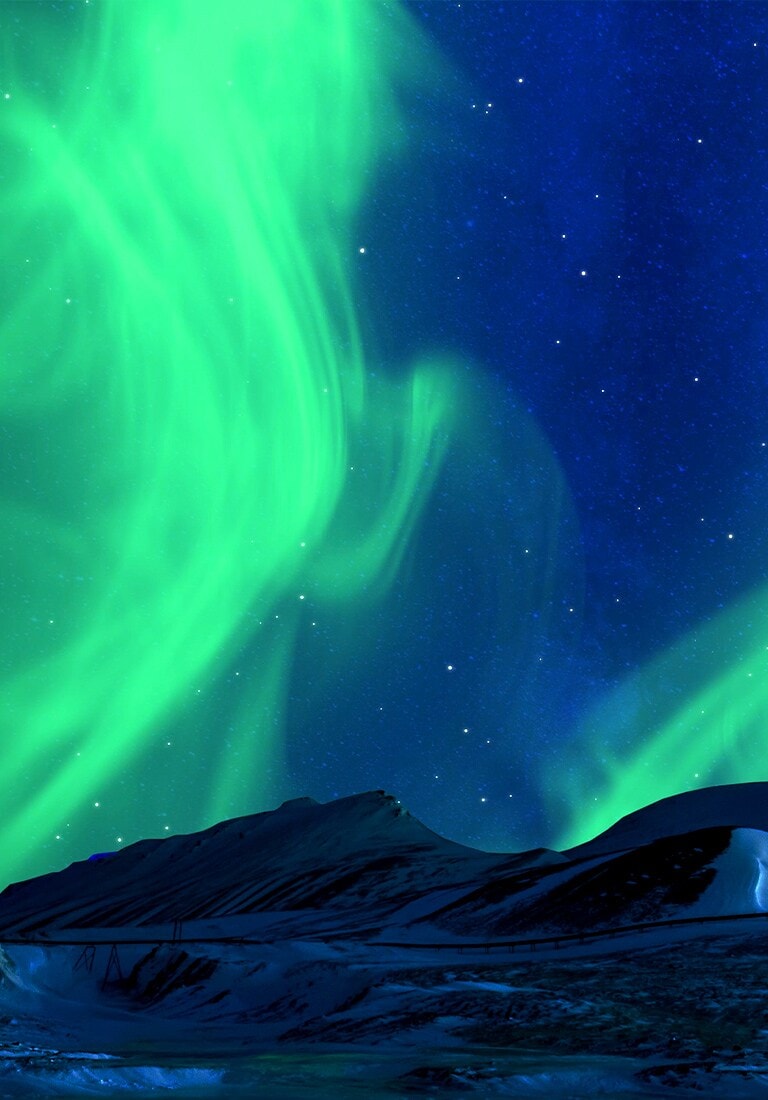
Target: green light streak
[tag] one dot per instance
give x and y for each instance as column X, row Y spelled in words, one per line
column 183, row 383
column 694, row 716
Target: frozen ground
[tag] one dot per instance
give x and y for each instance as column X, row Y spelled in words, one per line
column 342, row 1019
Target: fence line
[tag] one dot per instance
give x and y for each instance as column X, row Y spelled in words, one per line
column 176, row 937
column 557, row 939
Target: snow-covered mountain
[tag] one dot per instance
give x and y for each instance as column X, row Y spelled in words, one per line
column 362, row 867
column 355, row 860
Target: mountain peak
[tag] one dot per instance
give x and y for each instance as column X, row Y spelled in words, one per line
column 298, row 803
column 360, row 853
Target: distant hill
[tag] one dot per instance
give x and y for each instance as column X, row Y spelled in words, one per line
column 742, row 804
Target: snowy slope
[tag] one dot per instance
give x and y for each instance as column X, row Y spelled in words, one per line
column 740, row 879
column 658, row 881
column 360, row 857
column 709, row 872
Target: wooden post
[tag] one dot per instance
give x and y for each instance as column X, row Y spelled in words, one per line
column 86, row 957
column 113, row 963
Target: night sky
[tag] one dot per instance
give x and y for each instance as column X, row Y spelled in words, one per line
column 384, row 406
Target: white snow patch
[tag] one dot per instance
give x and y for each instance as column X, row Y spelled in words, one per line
column 741, row 881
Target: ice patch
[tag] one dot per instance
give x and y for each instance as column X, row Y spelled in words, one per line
column 490, row 987
column 58, row 1077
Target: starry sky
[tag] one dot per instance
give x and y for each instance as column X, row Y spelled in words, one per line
column 383, row 407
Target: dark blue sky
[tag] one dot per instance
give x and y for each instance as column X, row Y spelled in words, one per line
column 654, row 399
column 595, row 241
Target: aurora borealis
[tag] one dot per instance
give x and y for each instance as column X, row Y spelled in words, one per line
column 383, row 406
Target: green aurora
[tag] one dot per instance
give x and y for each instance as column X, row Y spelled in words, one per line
column 184, row 380
column 691, row 717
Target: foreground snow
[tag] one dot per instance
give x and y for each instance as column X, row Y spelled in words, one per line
column 303, row 1017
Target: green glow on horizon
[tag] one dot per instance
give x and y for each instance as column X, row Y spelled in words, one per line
column 184, row 385
column 695, row 716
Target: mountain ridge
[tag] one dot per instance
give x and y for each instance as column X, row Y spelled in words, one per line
column 362, row 865
column 283, row 859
